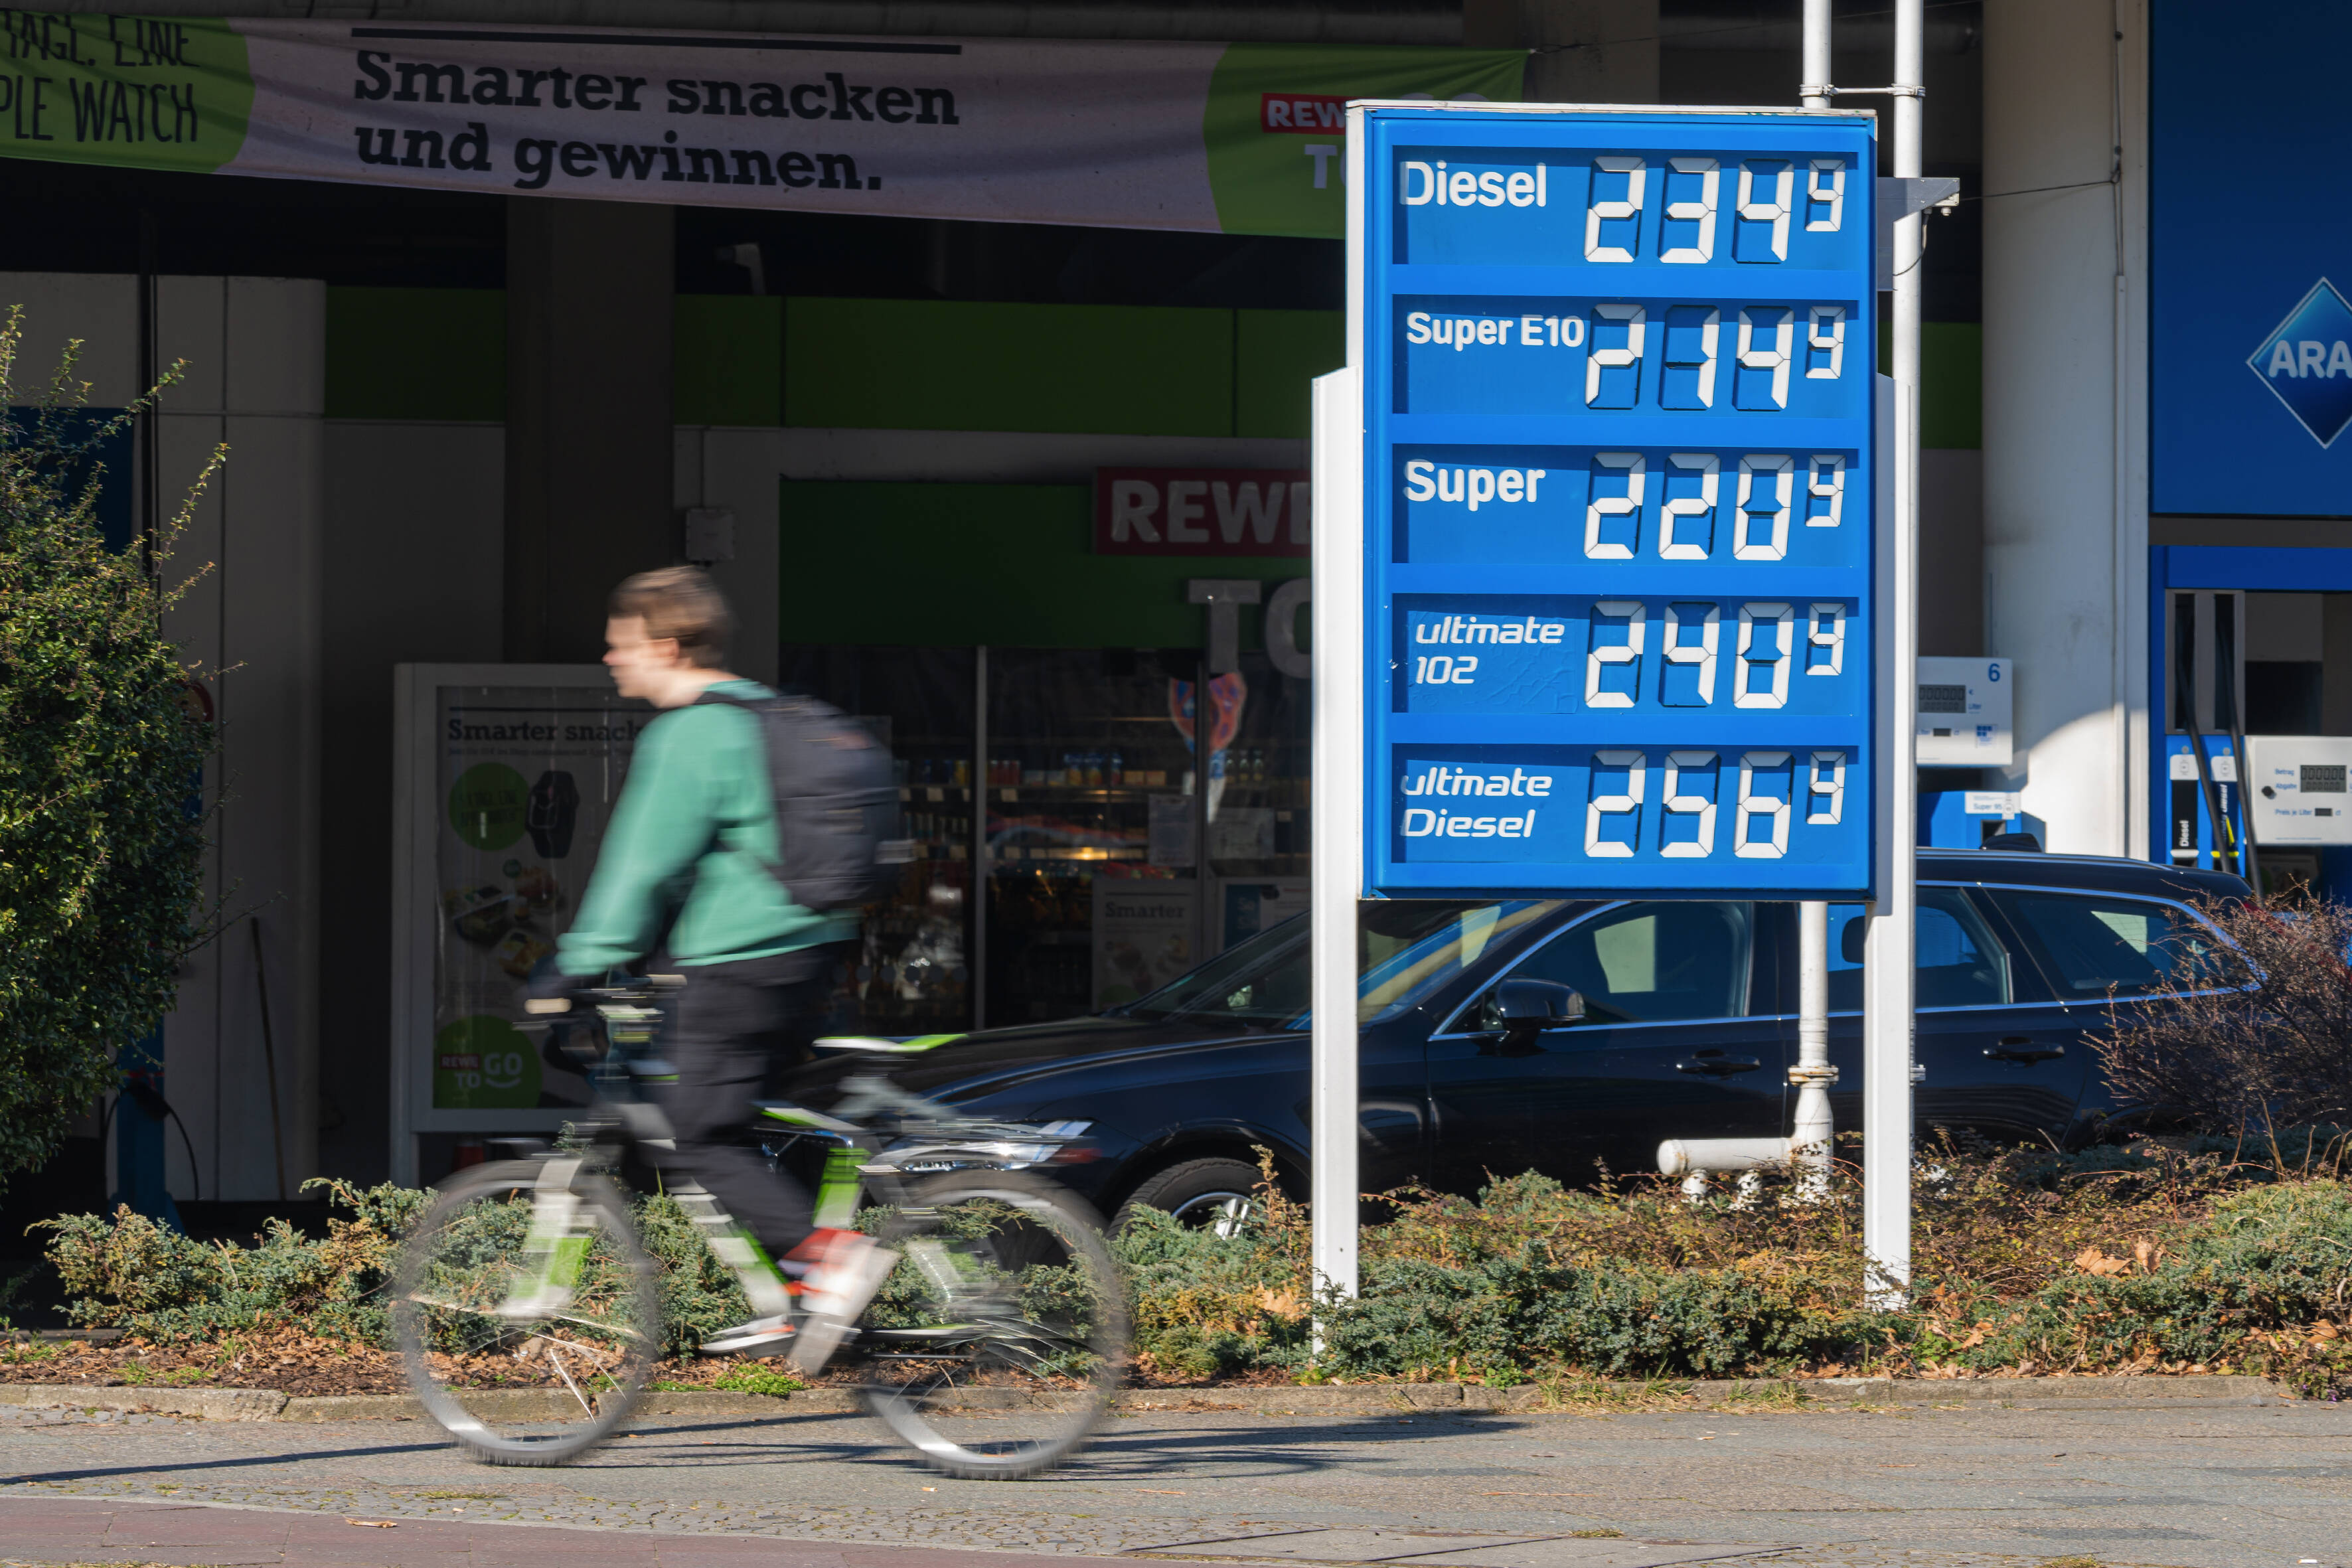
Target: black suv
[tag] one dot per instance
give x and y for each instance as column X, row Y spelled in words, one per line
column 1688, row 1025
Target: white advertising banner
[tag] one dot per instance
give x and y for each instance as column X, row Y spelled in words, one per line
column 1239, row 138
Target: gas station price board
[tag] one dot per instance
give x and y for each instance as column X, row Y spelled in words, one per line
column 1620, row 493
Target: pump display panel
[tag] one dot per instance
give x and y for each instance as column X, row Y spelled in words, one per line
column 1619, row 490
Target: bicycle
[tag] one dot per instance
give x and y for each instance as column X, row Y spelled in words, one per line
column 993, row 1347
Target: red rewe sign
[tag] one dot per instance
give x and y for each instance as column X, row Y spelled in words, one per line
column 1304, row 113
column 1202, row 511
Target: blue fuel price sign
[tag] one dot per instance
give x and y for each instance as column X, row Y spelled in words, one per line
column 1618, row 494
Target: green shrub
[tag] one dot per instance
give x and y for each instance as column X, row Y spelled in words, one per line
column 124, row 1271
column 99, row 856
column 2172, row 1255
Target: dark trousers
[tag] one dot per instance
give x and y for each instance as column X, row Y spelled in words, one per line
column 737, row 1027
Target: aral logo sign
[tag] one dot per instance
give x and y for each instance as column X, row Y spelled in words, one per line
column 2306, row 362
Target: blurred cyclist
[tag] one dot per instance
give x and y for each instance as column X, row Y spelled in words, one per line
column 687, row 866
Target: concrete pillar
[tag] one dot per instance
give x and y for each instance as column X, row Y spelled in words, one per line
column 589, row 296
column 1586, row 51
column 2065, row 489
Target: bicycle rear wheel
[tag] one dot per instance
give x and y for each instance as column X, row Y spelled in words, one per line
column 527, row 1318
column 996, row 1344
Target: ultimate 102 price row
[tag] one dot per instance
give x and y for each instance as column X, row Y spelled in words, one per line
column 1620, row 399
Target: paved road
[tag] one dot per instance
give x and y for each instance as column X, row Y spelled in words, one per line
column 2199, row 1485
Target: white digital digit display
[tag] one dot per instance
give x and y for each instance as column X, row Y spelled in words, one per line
column 1824, row 490
column 1825, row 639
column 1602, row 512
column 1701, row 844
column 1606, row 802
column 1763, row 656
column 1629, row 173
column 1690, row 230
column 1768, row 335
column 1825, row 789
column 1600, row 665
column 1824, row 343
column 1760, row 530
column 1765, row 193
column 1768, row 769
column 1618, row 334
column 1700, row 655
column 1686, row 523
column 1825, row 196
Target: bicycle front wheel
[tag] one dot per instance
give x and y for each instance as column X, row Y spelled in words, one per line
column 997, row 1342
column 527, row 1311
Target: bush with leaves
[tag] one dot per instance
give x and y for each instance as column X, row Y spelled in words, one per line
column 125, row 1271
column 2253, row 1037
column 2173, row 1255
column 99, row 858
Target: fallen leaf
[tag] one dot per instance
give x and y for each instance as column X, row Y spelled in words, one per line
column 2090, row 1260
column 374, row 1523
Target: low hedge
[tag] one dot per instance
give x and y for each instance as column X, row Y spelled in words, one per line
column 2174, row 1256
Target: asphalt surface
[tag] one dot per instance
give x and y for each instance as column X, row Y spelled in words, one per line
column 2197, row 1486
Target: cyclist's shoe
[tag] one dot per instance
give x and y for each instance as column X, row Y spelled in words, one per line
column 760, row 1336
column 847, row 1270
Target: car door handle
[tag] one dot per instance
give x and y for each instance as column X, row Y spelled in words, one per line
column 1717, row 1067
column 2021, row 1049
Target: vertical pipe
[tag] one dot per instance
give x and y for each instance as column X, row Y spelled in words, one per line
column 980, row 836
column 1887, row 994
column 1816, row 89
column 1809, row 1144
column 1809, row 1141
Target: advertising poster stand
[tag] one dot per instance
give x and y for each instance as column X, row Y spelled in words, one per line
column 505, row 775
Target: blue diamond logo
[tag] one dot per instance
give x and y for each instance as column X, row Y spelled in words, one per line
column 2306, row 362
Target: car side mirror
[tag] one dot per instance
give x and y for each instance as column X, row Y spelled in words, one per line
column 1525, row 1007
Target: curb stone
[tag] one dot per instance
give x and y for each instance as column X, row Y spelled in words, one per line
column 1330, row 1399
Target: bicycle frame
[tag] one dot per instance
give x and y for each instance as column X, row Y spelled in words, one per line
column 857, row 1160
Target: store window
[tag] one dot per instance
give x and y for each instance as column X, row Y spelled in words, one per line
column 1127, row 815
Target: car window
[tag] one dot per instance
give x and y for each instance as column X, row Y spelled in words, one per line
column 1652, row 962
column 2091, row 943
column 1962, row 962
column 1405, row 950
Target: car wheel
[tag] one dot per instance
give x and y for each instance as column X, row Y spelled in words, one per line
column 1214, row 1195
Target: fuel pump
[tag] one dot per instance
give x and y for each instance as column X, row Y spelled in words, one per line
column 2205, row 738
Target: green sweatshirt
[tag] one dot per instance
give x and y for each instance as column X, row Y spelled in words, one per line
column 697, row 808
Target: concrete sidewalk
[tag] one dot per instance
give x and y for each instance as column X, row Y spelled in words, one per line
column 64, row 1531
column 2198, row 1484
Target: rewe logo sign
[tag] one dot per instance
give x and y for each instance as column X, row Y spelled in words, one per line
column 1202, row 512
column 2306, row 362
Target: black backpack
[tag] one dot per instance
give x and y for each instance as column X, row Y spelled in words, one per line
column 836, row 806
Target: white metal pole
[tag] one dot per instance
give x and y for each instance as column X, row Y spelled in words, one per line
column 1810, row 1136
column 1889, row 949
column 1337, row 827
column 1337, row 835
column 1816, row 90
column 1809, row 1140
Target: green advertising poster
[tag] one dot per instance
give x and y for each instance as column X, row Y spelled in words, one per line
column 147, row 92
column 1276, row 131
column 529, row 776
